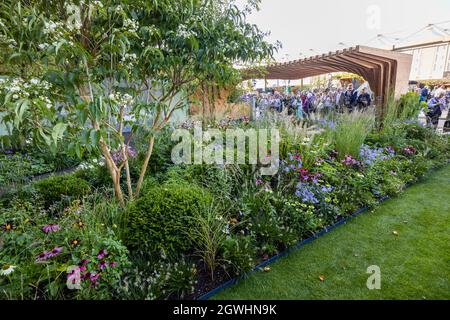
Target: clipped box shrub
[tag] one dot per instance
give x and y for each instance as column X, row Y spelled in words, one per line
column 157, row 220
column 55, row 188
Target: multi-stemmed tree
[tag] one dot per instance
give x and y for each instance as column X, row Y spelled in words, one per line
column 83, row 70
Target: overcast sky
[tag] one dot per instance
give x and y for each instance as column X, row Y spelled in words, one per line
column 321, row 25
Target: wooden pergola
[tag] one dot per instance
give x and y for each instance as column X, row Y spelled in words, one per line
column 386, row 71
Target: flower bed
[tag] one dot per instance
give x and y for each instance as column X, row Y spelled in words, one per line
column 195, row 227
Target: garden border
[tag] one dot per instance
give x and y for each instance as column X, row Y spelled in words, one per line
column 302, row 243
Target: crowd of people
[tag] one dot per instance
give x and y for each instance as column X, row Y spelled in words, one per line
column 437, row 100
column 322, row 101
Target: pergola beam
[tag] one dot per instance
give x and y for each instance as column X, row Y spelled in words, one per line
column 386, row 71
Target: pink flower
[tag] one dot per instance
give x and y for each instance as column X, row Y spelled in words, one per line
column 409, row 150
column 48, row 254
column 84, row 262
column 101, row 254
column 113, row 264
column 94, row 277
column 50, row 228
column 103, row 265
column 55, row 251
column 349, row 161
column 42, row 257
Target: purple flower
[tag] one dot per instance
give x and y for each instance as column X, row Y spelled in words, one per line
column 42, row 257
column 305, row 193
column 50, row 228
column 326, row 189
column 113, row 264
column 349, row 161
column 55, row 251
column 94, row 277
column 258, row 182
column 118, row 158
column 84, row 262
column 101, row 254
column 48, row 254
column 103, row 265
column 409, row 150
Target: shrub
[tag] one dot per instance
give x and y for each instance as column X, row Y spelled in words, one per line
column 212, row 177
column 97, row 176
column 238, row 254
column 53, row 189
column 157, row 219
column 267, row 222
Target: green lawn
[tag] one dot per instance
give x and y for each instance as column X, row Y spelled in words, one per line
column 415, row 263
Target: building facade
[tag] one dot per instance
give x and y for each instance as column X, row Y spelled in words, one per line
column 431, row 60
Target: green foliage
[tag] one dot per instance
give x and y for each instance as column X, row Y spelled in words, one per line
column 57, row 188
column 165, row 280
column 399, row 111
column 157, row 219
column 266, row 222
column 218, row 181
column 238, row 254
column 46, row 278
column 208, row 235
column 351, row 131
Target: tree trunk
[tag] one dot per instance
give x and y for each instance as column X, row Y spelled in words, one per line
column 144, row 166
column 127, row 170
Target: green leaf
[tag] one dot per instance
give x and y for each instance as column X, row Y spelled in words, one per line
column 22, row 107
column 58, row 131
column 95, row 137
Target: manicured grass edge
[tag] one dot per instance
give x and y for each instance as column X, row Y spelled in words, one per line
column 304, row 242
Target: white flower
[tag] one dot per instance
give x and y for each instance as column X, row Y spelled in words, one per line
column 50, row 27
column 15, row 96
column 7, row 269
column 98, row 4
column 34, row 81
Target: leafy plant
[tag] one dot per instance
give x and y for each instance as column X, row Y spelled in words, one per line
column 56, row 188
column 351, row 131
column 156, row 220
column 209, row 234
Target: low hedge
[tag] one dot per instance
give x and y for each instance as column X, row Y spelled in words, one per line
column 157, row 219
column 55, row 188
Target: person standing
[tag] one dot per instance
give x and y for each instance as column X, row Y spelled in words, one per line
column 299, row 112
column 423, row 93
column 364, row 100
column 339, row 100
column 350, row 98
column 435, row 106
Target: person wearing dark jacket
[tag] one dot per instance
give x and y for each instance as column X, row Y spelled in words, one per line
column 435, row 106
column 364, row 100
column 350, row 98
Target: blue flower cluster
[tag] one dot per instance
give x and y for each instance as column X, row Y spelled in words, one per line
column 305, row 193
column 295, row 163
column 370, row 155
column 311, row 193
